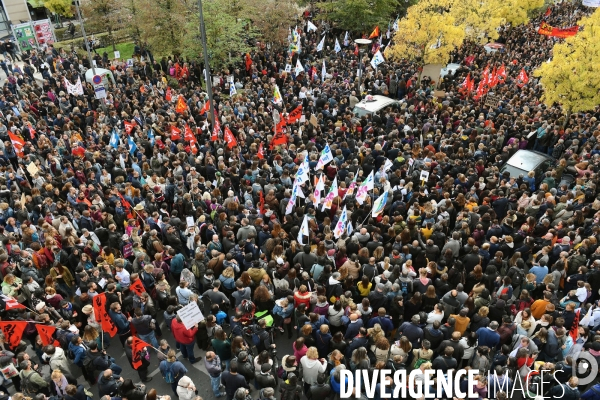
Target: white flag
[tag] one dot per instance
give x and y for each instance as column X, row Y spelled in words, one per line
column 76, row 89
column 323, row 72
column 337, row 47
column 379, row 205
column 311, row 27
column 377, row 59
column 292, row 202
column 350, row 229
column 321, row 44
column 346, row 39
column 340, row 227
column 333, row 192
column 319, row 187
column 326, row 157
column 363, row 189
column 232, row 90
column 299, row 67
column 388, row 164
column 303, row 230
column 302, row 173
column 395, row 24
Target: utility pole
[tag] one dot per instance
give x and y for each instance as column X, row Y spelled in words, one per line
column 207, row 75
column 87, row 44
column 360, row 42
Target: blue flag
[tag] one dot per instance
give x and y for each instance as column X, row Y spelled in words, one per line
column 151, row 137
column 114, row 139
column 132, row 146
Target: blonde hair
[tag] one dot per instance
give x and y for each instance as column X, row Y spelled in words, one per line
column 312, row 353
column 56, row 374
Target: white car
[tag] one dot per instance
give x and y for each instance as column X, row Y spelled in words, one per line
column 372, row 104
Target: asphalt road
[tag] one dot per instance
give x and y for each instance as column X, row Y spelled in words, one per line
column 197, row 372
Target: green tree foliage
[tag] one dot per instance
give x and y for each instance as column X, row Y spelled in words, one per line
column 571, row 78
column 227, row 36
column 60, row 7
column 359, row 15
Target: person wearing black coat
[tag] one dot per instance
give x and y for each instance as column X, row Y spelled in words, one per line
column 75, row 393
column 142, row 369
column 291, row 390
column 264, row 378
column 322, row 389
column 108, row 384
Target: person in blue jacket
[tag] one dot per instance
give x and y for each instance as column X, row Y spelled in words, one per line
column 121, row 321
column 78, row 349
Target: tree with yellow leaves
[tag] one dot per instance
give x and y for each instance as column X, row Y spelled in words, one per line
column 571, row 78
column 482, row 18
column 428, row 33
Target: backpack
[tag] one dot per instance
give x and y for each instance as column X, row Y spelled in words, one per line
column 63, row 338
column 169, row 378
column 404, row 288
column 419, row 361
column 255, row 339
column 70, row 354
column 88, row 364
column 42, row 260
column 28, row 387
column 516, row 276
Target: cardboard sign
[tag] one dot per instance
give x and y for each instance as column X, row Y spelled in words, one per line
column 492, row 100
column 117, row 54
column 288, row 68
column 190, row 221
column 190, row 315
column 424, row 175
column 32, row 168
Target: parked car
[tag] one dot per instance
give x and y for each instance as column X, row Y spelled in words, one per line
column 372, row 104
column 524, row 161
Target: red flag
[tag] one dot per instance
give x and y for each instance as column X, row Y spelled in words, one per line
column 188, row 134
column 465, row 85
column 137, row 287
column 485, row 76
column 216, row 128
column 471, row 86
column 137, row 346
column 205, row 107
column 193, row 147
column 261, row 203
column 547, row 30
column 493, row 78
column 181, row 105
column 375, row 33
column 248, row 62
column 102, row 316
column 469, row 60
column 46, row 332
column 10, row 303
column 548, row 12
column 575, row 327
column 125, row 205
column 229, row 138
column 356, row 50
column 168, row 95
column 18, row 143
column 294, row 115
column 13, row 330
column 129, row 126
column 32, row 131
column 175, row 133
column 522, row 79
column 480, row 90
column 261, row 151
column 502, row 74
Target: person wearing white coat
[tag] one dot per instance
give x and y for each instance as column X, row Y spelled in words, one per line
column 186, row 390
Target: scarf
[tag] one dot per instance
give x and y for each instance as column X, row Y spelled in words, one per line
column 61, row 387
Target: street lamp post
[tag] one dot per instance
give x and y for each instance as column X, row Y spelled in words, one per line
column 360, row 42
column 207, row 76
column 87, row 44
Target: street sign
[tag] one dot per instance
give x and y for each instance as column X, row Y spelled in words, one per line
column 97, row 79
column 100, row 91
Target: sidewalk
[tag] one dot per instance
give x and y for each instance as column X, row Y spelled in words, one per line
column 38, row 76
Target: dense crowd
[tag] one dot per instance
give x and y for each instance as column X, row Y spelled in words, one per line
column 469, row 268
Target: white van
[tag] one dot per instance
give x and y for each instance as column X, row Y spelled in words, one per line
column 372, row 104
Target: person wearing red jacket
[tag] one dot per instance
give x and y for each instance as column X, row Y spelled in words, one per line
column 185, row 338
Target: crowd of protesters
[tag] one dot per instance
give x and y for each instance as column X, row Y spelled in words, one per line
column 470, row 268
